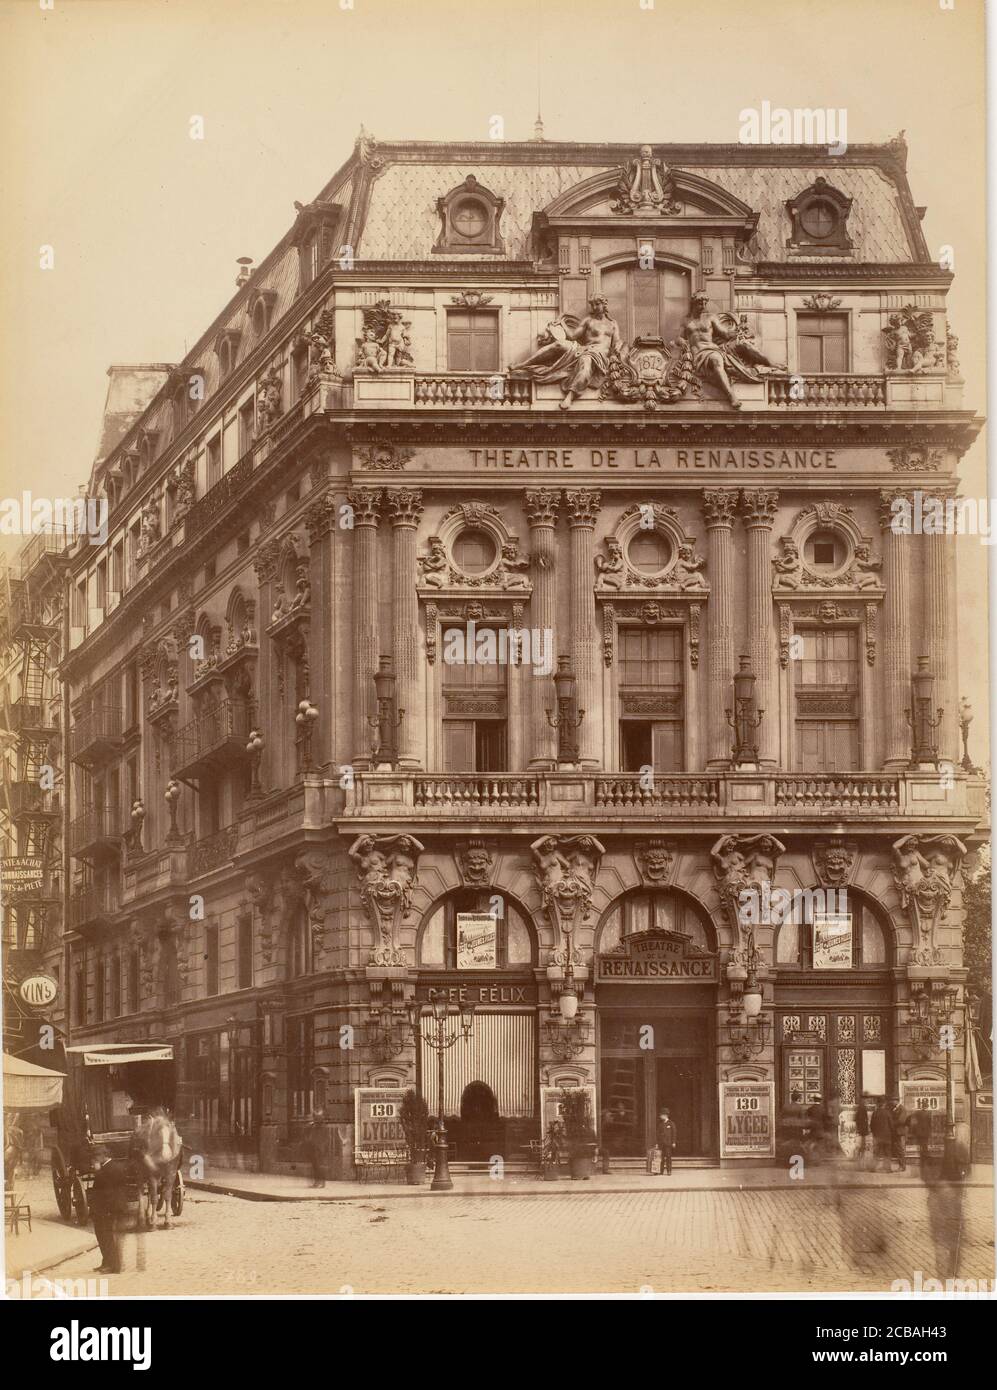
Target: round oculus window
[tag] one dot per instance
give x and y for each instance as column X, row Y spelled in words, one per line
column 648, row 552
column 819, row 218
column 470, row 218
column 825, row 550
column 474, row 552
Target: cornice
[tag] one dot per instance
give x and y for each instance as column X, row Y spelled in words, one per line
column 776, row 273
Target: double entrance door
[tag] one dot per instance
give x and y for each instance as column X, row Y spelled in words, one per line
column 673, row 1068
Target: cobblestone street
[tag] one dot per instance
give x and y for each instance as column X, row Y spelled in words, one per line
column 697, row 1241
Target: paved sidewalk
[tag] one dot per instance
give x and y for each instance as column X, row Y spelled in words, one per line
column 280, row 1187
column 50, row 1240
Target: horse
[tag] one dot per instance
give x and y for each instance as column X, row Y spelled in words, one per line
column 157, row 1150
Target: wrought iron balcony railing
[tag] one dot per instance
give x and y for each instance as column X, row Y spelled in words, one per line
column 96, row 735
column 215, row 738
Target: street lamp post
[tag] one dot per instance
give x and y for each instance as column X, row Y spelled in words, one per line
column 745, row 718
column 440, row 1037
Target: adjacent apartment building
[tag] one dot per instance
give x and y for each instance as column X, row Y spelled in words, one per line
column 514, row 587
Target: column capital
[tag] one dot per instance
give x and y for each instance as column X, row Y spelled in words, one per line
column 893, row 517
column 320, row 517
column 265, row 561
column 404, row 505
column 541, row 505
column 720, row 506
column 366, row 503
column 758, row 506
column 584, row 505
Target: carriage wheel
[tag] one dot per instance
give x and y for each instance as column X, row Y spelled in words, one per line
column 176, row 1196
column 80, row 1204
column 62, row 1186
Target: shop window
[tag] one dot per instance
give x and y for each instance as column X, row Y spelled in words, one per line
column 647, row 303
column 822, row 342
column 204, row 1081
column 651, row 689
column 826, row 693
column 473, row 341
column 514, row 946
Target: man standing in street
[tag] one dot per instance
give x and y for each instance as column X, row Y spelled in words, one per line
column 109, row 1206
column 882, row 1135
column 920, row 1124
column 898, row 1119
column 862, row 1130
column 316, row 1148
column 666, row 1140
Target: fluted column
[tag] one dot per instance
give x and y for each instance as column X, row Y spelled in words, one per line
column 366, row 504
column 405, row 508
column 719, row 508
column 583, row 506
column 897, row 661
column 758, row 510
column 541, row 506
column 937, row 559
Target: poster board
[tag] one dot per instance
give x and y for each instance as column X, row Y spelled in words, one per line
column 929, row 1096
column 832, row 944
column 477, row 940
column 377, row 1119
column 747, row 1119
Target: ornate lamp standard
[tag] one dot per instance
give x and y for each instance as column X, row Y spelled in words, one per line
column 568, row 717
column 745, row 718
column 389, row 719
column 305, row 718
column 923, row 727
column 965, row 719
column 747, row 1026
column 255, row 748
column 441, row 1036
column 171, row 796
column 930, row 1013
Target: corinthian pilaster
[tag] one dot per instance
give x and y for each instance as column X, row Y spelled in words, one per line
column 719, row 508
column 541, row 505
column 583, row 507
column 897, row 666
column 758, row 509
column 405, row 508
column 366, row 504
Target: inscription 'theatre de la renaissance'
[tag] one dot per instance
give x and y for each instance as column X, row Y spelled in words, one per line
column 645, row 460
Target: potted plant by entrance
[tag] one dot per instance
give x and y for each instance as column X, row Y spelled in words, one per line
column 415, row 1123
column 579, row 1131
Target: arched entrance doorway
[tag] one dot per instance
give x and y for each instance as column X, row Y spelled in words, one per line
column 481, row 1128
column 656, row 980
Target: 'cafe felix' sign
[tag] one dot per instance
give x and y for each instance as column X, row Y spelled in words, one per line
column 656, row 956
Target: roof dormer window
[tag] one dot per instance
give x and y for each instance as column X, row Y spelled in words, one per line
column 470, row 216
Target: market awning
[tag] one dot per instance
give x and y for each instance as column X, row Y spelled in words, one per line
column 117, row 1054
column 27, row 1087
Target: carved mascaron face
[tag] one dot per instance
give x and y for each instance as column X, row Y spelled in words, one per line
column 657, row 863
column 836, row 865
column 477, row 865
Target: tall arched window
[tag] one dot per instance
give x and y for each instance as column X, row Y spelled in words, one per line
column 656, row 910
column 794, row 948
column 300, row 944
column 647, row 303
column 515, row 947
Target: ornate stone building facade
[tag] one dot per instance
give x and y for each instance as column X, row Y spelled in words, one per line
column 434, row 565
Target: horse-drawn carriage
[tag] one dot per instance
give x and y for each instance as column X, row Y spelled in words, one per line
column 109, row 1092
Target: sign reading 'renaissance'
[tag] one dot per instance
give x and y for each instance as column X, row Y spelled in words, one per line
column 653, row 957
column 650, row 460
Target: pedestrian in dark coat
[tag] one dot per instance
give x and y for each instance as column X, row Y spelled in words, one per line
column 316, row 1148
column 109, row 1200
column 899, row 1119
column 666, row 1140
column 862, row 1130
column 920, row 1126
column 882, row 1134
